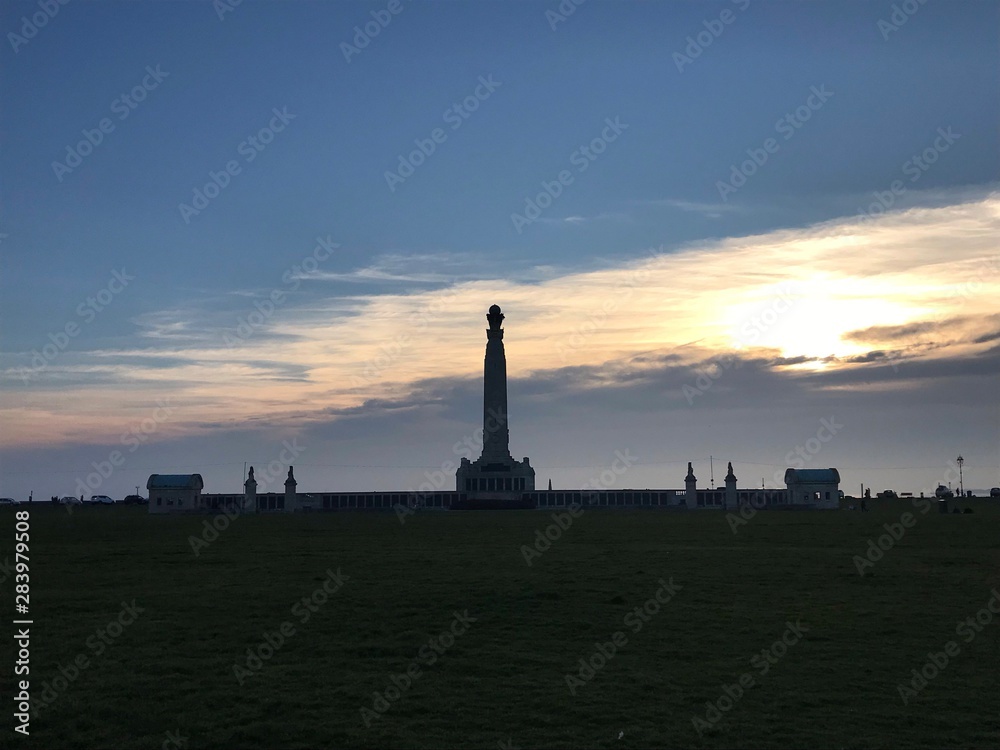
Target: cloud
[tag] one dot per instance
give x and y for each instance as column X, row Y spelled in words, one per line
column 432, row 268
column 894, row 333
column 822, row 301
column 709, row 210
column 579, row 220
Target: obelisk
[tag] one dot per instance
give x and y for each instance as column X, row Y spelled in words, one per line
column 496, row 436
column 495, row 475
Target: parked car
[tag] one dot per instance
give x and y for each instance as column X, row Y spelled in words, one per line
column 70, row 500
column 101, row 500
column 134, row 500
column 7, row 501
column 995, row 492
column 887, row 495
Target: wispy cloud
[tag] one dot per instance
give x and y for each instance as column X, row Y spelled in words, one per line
column 822, row 299
column 426, row 268
column 581, row 220
column 709, row 210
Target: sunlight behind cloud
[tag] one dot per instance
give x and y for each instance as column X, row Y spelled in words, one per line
column 799, row 292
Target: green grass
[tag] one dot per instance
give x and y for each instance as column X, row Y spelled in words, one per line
column 505, row 677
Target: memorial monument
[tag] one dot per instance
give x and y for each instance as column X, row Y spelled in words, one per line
column 495, row 473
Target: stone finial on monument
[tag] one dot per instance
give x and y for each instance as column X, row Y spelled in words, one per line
column 495, row 317
column 250, row 493
column 291, row 499
column 731, row 496
column 690, row 488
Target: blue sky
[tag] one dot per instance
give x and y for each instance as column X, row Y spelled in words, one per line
column 448, row 226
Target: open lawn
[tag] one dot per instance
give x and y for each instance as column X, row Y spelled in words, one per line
column 503, row 681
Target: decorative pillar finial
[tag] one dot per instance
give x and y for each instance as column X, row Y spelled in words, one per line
column 495, row 318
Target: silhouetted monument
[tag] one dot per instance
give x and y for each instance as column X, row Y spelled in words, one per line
column 497, row 480
column 495, row 471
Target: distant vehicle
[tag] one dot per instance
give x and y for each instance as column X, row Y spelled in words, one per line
column 70, row 500
column 7, row 501
column 101, row 500
column 995, row 492
column 134, row 500
column 887, row 495
column 943, row 493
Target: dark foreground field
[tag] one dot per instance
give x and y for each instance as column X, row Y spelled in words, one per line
column 168, row 672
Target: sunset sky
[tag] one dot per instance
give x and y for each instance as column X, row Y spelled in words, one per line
column 797, row 223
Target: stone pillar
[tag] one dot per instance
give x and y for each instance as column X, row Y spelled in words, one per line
column 731, row 496
column 495, row 475
column 496, row 435
column 462, row 474
column 250, row 493
column 291, row 502
column 691, row 488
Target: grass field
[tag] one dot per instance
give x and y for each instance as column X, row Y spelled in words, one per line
column 502, row 683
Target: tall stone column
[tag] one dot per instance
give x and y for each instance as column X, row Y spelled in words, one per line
column 495, row 474
column 496, row 435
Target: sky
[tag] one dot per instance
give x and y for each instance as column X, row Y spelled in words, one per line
column 268, row 233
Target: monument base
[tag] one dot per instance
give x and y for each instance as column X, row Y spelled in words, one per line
column 500, row 476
